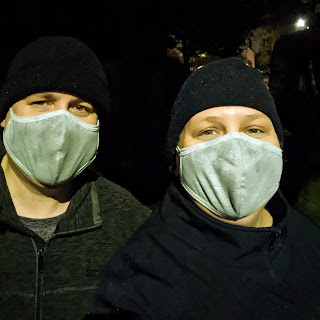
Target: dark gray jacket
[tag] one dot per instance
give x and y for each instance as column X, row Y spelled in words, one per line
column 56, row 280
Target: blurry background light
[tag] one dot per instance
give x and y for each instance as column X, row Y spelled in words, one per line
column 301, row 23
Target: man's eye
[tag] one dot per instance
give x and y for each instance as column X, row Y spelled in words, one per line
column 40, row 103
column 82, row 108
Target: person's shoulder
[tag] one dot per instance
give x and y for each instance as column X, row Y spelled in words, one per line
column 118, row 202
column 302, row 228
column 146, row 249
column 105, row 185
column 112, row 192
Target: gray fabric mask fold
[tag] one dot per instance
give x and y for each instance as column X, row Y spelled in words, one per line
column 232, row 175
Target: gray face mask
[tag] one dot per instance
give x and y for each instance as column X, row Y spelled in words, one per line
column 232, row 175
column 51, row 148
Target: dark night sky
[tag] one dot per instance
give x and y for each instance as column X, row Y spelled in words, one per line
column 122, row 29
column 117, row 26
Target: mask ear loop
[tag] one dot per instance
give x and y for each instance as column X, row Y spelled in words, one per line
column 177, row 166
column 177, row 162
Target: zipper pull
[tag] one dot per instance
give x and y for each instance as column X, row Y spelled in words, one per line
column 41, row 260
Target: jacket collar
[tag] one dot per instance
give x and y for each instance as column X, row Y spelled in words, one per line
column 83, row 212
column 234, row 245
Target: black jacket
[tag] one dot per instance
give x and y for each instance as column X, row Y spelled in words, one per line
column 184, row 264
column 57, row 280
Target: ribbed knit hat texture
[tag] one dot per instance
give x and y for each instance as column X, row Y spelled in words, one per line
column 225, row 82
column 62, row 64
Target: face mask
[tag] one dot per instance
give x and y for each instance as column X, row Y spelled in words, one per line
column 51, row 148
column 232, row 175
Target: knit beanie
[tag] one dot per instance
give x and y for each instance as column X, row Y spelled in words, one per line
column 225, row 82
column 62, row 64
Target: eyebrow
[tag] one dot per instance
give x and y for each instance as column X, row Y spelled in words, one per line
column 211, row 118
column 250, row 117
column 48, row 96
column 255, row 116
column 52, row 97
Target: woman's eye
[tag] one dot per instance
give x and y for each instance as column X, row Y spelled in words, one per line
column 208, row 132
column 255, row 131
column 81, row 110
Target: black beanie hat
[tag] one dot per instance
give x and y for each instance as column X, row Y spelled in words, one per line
column 62, row 64
column 225, row 82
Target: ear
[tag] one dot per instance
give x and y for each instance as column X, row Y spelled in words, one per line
column 3, row 123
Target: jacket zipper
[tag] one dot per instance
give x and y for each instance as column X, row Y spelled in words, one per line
column 39, row 280
column 274, row 242
column 40, row 259
column 40, row 269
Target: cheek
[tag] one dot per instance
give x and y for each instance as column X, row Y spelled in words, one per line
column 91, row 119
column 186, row 139
column 181, row 140
column 16, row 108
column 272, row 136
column 276, row 140
column 273, row 140
column 95, row 119
column 277, row 143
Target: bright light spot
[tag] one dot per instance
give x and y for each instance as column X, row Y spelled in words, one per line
column 301, row 23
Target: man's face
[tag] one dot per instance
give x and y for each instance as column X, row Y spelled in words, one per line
column 218, row 121
column 40, row 103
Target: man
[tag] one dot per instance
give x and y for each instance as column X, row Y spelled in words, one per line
column 59, row 222
column 224, row 243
